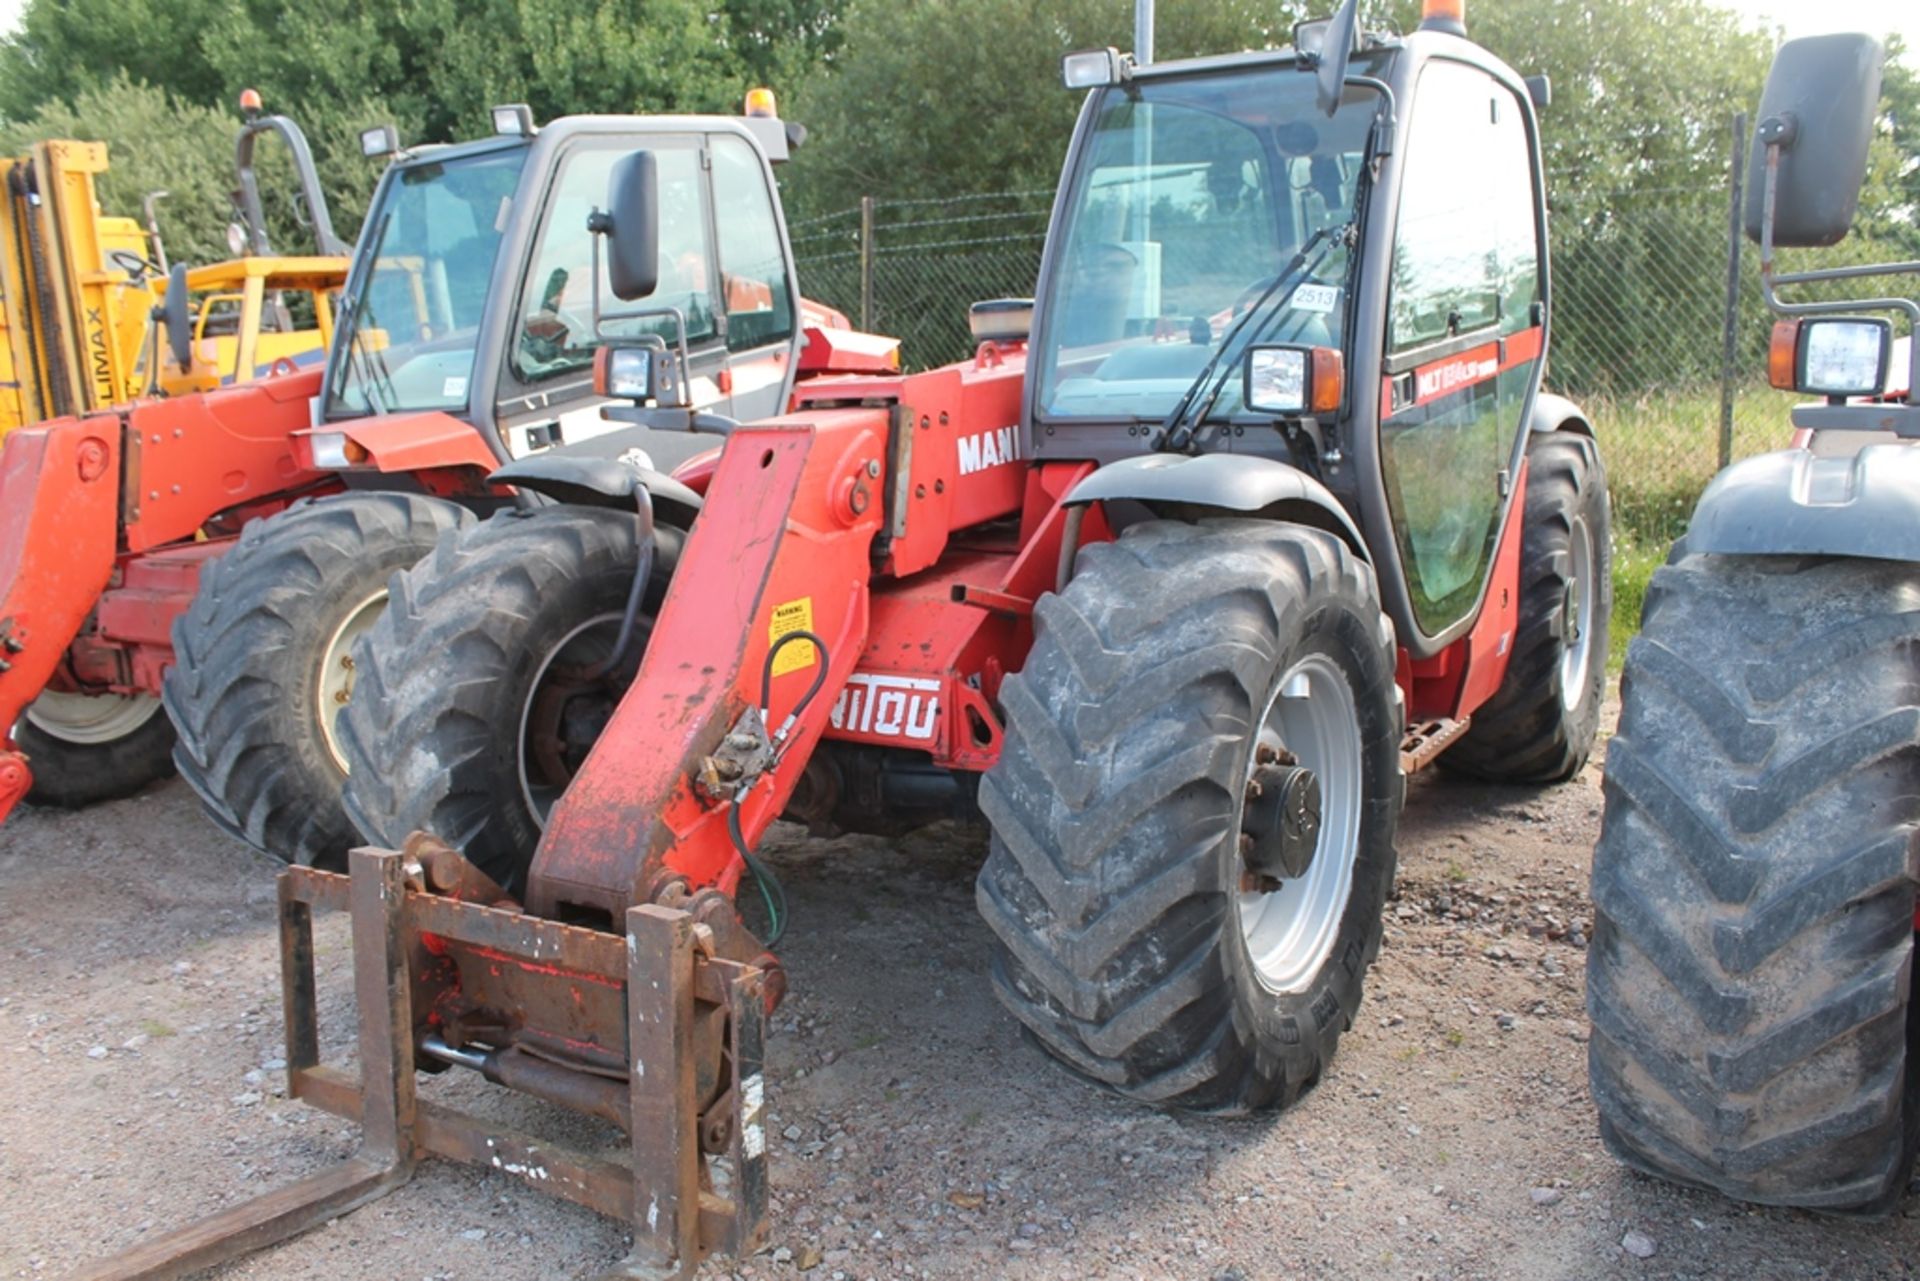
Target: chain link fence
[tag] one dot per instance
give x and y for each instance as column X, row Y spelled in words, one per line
column 1648, row 337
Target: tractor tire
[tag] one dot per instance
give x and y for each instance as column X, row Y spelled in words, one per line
column 1128, row 944
column 262, row 663
column 457, row 677
column 1749, row 978
column 86, row 749
column 1540, row 724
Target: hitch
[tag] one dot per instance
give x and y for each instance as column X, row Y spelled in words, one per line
column 655, row 1032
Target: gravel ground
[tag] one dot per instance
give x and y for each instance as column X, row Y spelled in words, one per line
column 919, row 1135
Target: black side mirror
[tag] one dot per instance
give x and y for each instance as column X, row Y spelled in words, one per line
column 177, row 316
column 632, row 226
column 1819, row 106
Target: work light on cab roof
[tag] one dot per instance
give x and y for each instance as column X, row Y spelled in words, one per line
column 513, row 120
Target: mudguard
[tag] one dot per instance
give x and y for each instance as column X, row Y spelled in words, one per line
column 1794, row 503
column 600, row 482
column 1227, row 482
column 1557, row 413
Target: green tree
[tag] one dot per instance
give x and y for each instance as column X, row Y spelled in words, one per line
column 951, row 97
column 154, row 143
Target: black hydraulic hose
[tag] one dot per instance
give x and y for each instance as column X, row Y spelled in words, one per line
column 772, row 892
column 637, row 594
column 766, row 679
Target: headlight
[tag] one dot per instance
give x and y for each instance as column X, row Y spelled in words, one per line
column 332, row 451
column 1844, row 357
column 1294, row 380
column 1091, row 68
column 625, row 373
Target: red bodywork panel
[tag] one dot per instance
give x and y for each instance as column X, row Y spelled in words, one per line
column 59, row 502
column 444, row 453
column 189, row 458
column 831, row 349
column 88, row 504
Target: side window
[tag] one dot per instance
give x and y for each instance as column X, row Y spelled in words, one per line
column 1461, row 342
column 754, row 284
column 556, row 307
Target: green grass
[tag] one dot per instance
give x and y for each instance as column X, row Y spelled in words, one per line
column 1660, row 451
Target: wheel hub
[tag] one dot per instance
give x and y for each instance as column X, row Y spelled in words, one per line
column 1578, row 621
column 1280, row 827
column 334, row 688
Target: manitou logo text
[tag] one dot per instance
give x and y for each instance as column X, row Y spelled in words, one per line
column 888, row 706
column 1458, row 373
column 988, row 449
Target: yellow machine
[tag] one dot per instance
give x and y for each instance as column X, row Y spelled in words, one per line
column 74, row 318
column 81, row 291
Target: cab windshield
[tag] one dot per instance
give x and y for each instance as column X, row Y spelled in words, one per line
column 408, row 342
column 1192, row 196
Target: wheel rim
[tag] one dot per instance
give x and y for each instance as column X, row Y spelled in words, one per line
column 1290, row 931
column 1577, row 653
column 542, row 743
column 334, row 690
column 90, row 719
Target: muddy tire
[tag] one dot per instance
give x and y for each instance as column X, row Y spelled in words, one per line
column 84, row 750
column 457, row 680
column 1125, row 945
column 263, row 656
column 1539, row 725
column 1754, row 885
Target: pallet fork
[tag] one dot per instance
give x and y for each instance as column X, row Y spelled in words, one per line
column 690, row 1031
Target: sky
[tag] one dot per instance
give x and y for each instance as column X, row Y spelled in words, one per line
column 1816, row 17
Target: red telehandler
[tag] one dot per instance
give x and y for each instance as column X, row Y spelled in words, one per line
column 1254, row 509
column 227, row 547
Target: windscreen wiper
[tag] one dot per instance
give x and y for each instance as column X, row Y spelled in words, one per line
column 1176, row 430
column 371, row 374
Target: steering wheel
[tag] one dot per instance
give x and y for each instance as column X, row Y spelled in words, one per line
column 548, row 333
column 136, row 267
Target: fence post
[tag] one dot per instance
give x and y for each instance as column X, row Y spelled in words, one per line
column 1729, row 337
column 866, row 264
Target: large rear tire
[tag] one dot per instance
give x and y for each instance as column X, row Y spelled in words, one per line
column 263, row 663
column 88, row 748
column 1754, row 885
column 1540, row 724
column 467, row 722
column 1129, row 944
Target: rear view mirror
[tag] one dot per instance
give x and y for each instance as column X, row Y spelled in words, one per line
column 176, row 317
column 1819, row 105
column 632, row 226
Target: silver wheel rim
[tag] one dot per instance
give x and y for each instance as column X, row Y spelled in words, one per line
column 539, row 797
column 334, row 690
column 1290, row 931
column 1577, row 652
column 90, row 719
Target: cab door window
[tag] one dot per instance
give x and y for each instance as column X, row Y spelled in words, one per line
column 755, row 287
column 1462, row 340
column 555, row 333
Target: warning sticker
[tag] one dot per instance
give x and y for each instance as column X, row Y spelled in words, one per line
column 793, row 616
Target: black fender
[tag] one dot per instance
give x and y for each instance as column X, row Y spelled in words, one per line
column 1557, row 413
column 589, row 481
column 1794, row 502
column 1178, row 486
